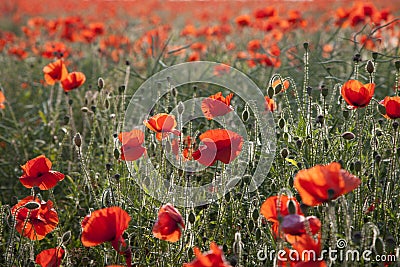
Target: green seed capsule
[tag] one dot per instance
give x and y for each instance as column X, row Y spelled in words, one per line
column 256, row 214
column 192, row 218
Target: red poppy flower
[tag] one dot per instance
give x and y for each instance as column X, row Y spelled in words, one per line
column 131, row 148
column 219, row 144
column 2, row 100
column 34, row 218
column 357, row 94
column 50, row 257
column 212, row 258
column 270, row 104
column 323, row 183
column 276, row 207
column 169, row 224
column 37, row 172
column 216, row 105
column 105, row 225
column 163, row 124
column 243, row 20
column 73, row 80
column 392, row 105
column 55, row 71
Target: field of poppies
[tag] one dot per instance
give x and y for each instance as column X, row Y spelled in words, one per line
column 276, row 143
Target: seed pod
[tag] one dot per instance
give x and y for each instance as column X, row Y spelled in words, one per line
column 299, row 143
column 397, row 65
column 70, row 102
column 324, row 91
column 305, row 45
column 278, row 88
column 66, row 237
column 251, row 225
column 379, row 246
column 284, row 153
column 192, row 218
column 116, row 153
column 270, row 92
column 100, row 83
column 320, row 119
column 255, row 214
column 292, row 207
column 181, row 108
column 245, row 115
column 281, row 123
column 375, row 55
column 84, row 109
column 370, row 67
column 32, row 205
column 309, row 90
column 357, row 166
column 121, row 89
column 66, row 119
column 78, row 140
column 395, row 125
column 258, row 234
column 348, row 136
column 357, row 58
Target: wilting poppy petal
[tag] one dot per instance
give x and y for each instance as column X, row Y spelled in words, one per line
column 163, row 124
column 323, row 183
column 34, row 223
column 105, row 225
column 37, row 173
column 357, row 94
column 214, row 257
column 219, row 144
column 73, row 80
column 169, row 224
column 50, row 257
column 216, row 105
column 132, row 141
column 55, row 71
column 392, row 105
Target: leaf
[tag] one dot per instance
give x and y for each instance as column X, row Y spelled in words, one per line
column 42, row 116
column 292, row 161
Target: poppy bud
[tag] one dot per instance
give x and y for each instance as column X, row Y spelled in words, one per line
column 299, row 143
column 357, row 58
column 348, row 136
column 285, row 136
column 100, row 83
column 346, row 114
column 227, row 197
column 292, row 207
column 84, row 109
column 181, row 107
column 245, row 115
column 309, row 90
column 31, row 205
column 258, row 234
column 93, row 108
column 305, row 45
column 281, row 123
column 357, row 166
column 255, row 214
column 66, row 119
column 250, row 226
column 378, row 158
column 324, row 91
column 121, row 89
column 70, row 102
column 174, row 92
column 356, row 238
column 116, row 153
column 108, row 166
column 127, row 63
column 117, row 176
column 66, row 237
column 278, row 88
column 370, row 67
column 374, row 55
column 284, row 153
column 320, row 119
column 270, row 92
column 395, row 125
column 192, row 217
column 397, row 65
column 78, row 140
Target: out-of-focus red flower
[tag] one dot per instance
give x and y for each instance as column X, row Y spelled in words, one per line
column 132, row 141
column 221, row 69
column 34, row 218
column 243, row 20
column 254, row 45
column 55, row 49
column 50, row 257
column 392, row 105
column 37, row 172
column 270, row 104
column 357, row 94
column 219, row 144
column 2, row 100
column 194, row 56
column 323, row 183
column 265, row 12
column 169, row 224
column 55, row 71
column 294, row 224
column 216, row 105
column 73, row 80
column 212, row 258
column 163, row 124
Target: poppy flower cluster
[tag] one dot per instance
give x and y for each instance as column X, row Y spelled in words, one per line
column 57, row 71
